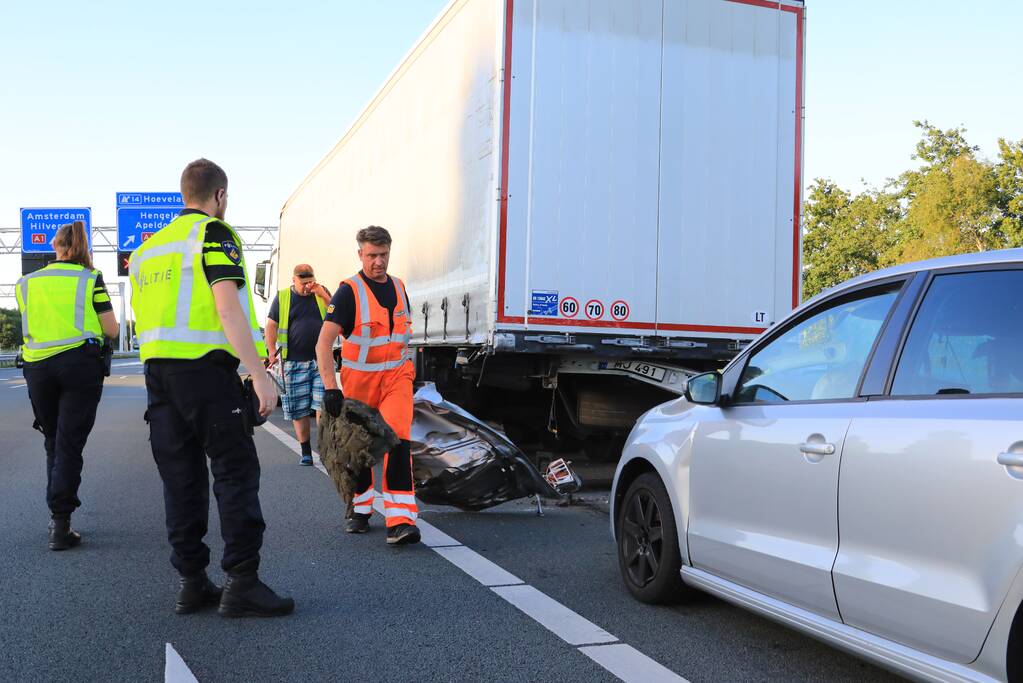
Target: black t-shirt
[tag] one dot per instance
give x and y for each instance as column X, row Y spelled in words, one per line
column 342, row 305
column 304, row 324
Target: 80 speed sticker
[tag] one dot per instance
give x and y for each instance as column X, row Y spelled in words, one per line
column 620, row 310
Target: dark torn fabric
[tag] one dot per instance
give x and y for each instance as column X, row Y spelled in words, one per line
column 349, row 443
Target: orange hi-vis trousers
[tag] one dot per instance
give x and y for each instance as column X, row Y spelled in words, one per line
column 390, row 392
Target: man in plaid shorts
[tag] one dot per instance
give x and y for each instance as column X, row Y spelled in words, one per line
column 293, row 326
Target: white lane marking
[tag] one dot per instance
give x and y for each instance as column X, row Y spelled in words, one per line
column 479, row 567
column 629, row 664
column 127, row 364
column 176, row 671
column 545, row 610
column 555, row 617
column 123, row 377
column 16, row 386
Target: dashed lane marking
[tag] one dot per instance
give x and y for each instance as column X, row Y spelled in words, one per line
column 620, row 659
column 629, row 664
column 175, row 670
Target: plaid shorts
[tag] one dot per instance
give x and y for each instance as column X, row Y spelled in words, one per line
column 304, row 389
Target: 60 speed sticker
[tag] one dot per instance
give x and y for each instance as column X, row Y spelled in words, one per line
column 569, row 307
column 594, row 309
column 620, row 310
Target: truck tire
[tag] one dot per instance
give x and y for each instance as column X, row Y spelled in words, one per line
column 648, row 554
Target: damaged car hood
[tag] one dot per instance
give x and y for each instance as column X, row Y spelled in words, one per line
column 461, row 461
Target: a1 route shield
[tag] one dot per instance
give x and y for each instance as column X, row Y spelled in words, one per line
column 141, row 214
column 39, row 226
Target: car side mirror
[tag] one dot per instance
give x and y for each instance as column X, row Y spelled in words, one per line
column 704, row 389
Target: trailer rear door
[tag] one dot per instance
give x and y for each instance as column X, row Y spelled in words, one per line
column 728, row 238
column 582, row 216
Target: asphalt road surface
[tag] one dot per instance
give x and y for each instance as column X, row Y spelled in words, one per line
column 502, row 595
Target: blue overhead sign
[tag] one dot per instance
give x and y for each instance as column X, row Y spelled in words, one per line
column 141, row 214
column 39, row 226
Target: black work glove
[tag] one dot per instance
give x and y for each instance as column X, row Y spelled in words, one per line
column 333, row 401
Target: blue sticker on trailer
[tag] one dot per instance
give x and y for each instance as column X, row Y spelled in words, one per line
column 544, row 303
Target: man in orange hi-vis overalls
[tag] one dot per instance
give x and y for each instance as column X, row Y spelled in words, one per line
column 371, row 311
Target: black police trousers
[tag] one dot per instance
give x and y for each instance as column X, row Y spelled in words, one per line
column 195, row 411
column 65, row 390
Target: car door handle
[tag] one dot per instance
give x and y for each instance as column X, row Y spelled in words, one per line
column 817, row 448
column 1010, row 459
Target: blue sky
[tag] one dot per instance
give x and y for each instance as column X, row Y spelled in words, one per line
column 114, row 95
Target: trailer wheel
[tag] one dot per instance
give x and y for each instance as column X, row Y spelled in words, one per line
column 648, row 554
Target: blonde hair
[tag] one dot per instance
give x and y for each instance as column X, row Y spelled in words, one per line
column 74, row 242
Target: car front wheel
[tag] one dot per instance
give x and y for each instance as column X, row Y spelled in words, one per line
column 648, row 552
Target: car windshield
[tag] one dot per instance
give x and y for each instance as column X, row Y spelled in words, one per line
column 821, row 357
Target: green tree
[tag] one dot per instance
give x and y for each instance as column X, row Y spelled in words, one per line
column 844, row 236
column 953, row 203
column 1009, row 180
column 10, row 328
column 955, row 211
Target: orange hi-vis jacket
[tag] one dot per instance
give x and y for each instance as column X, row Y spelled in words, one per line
column 376, row 369
column 373, row 348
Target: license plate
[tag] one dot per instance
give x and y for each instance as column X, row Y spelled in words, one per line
column 642, row 369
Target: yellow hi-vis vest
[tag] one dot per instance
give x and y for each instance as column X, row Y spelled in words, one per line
column 56, row 310
column 283, row 311
column 175, row 313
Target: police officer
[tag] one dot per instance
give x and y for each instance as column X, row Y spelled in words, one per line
column 195, row 321
column 65, row 311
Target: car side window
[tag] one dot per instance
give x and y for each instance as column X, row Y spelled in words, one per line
column 820, row 358
column 967, row 337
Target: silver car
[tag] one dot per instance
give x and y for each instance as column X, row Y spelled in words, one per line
column 856, row 473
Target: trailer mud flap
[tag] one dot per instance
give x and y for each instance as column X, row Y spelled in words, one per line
column 459, row 460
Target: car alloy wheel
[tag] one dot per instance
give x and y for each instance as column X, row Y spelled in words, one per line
column 643, row 537
column 648, row 552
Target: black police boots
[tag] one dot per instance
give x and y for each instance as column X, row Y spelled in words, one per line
column 61, row 536
column 196, row 592
column 246, row 596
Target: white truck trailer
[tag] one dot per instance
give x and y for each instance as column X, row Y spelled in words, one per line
column 588, row 198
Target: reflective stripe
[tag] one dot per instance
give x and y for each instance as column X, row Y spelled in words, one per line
column 368, row 341
column 363, row 509
column 375, row 367
column 364, row 497
column 364, row 317
column 391, row 513
column 24, row 308
column 402, row 498
column 38, row 346
column 173, row 334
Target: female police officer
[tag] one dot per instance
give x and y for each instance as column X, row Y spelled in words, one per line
column 65, row 311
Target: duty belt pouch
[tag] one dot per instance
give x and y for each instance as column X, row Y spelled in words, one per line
column 107, row 354
column 250, row 402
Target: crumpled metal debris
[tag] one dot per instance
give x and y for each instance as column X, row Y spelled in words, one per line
column 355, row 440
column 461, row 461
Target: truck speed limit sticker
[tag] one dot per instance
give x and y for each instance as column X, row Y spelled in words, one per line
column 569, row 307
column 620, row 310
column 594, row 309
